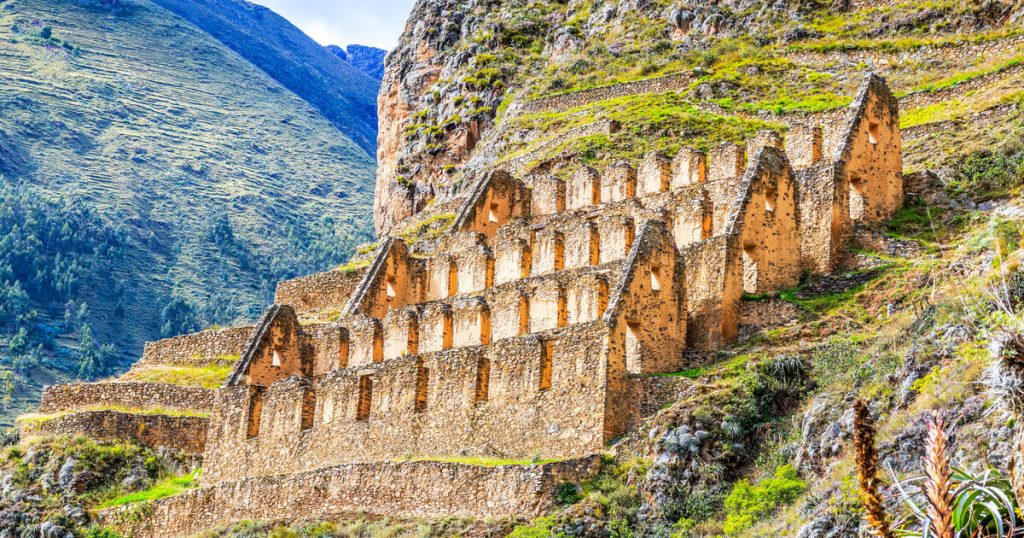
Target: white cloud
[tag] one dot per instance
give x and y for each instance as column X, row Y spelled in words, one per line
column 376, row 23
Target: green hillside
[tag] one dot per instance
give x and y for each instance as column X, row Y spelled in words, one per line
column 213, row 180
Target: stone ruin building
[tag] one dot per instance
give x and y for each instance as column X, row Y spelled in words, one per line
column 525, row 334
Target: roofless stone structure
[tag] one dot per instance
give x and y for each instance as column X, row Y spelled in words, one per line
column 522, row 334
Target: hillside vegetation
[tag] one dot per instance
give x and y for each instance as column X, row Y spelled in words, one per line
column 343, row 93
column 175, row 183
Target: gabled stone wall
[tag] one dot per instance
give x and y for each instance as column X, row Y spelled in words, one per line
column 546, row 397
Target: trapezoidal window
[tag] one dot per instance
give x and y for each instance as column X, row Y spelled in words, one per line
column 343, row 350
column 446, row 330
column 708, row 225
column 856, row 198
column 328, row 413
column 483, row 380
column 563, row 308
column 771, row 196
column 485, row 327
column 630, row 235
column 526, row 261
column 275, row 358
column 595, row 247
column 252, row 428
column 389, row 288
column 492, row 213
column 750, row 269
column 634, row 351
column 422, row 385
column 453, row 279
column 378, row 344
column 547, row 348
column 874, row 132
column 656, row 277
column 308, row 410
column 558, row 242
column 365, row 396
column 524, row 315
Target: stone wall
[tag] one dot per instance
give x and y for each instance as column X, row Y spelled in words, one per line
column 567, row 101
column 651, row 289
column 329, row 290
column 199, row 349
column 649, row 394
column 756, row 315
column 518, row 165
column 949, row 52
column 126, row 394
column 543, row 394
column 186, row 433
column 406, row 489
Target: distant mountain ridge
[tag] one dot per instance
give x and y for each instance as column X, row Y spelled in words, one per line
column 344, row 94
column 369, row 60
column 198, row 178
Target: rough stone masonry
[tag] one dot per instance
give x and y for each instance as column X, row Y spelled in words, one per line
column 521, row 333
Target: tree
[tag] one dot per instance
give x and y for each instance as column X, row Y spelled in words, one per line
column 19, row 342
column 7, row 386
column 94, row 360
column 178, row 317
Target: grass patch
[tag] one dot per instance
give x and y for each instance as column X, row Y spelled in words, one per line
column 353, row 266
column 964, row 76
column 651, row 122
column 207, row 377
column 689, row 373
column 915, row 222
column 164, row 488
column 428, row 229
column 821, row 304
column 990, row 174
column 901, row 44
column 40, row 418
column 479, row 461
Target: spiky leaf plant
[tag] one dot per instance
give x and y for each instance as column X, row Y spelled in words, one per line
column 1005, row 376
column 950, row 502
column 983, row 506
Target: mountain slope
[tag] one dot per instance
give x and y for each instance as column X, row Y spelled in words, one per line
column 342, row 93
column 369, row 60
column 215, row 179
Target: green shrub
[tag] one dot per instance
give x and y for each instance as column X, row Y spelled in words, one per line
column 165, row 488
column 101, row 532
column 568, row 493
column 538, row 528
column 987, row 175
column 747, row 503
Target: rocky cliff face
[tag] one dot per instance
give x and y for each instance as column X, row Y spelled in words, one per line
column 458, row 62
column 463, row 67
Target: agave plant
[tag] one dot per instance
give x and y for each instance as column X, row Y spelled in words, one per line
column 951, row 502
column 983, row 506
column 947, row 501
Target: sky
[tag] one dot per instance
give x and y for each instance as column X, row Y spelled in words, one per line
column 376, row 23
